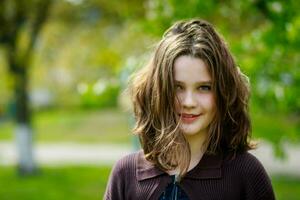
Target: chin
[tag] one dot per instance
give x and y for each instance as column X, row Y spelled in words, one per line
column 190, row 131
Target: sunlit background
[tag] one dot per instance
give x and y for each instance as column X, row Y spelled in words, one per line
column 64, row 64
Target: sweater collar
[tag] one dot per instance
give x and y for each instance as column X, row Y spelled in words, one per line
column 209, row 167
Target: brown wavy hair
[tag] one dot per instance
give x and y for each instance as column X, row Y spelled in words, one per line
column 154, row 100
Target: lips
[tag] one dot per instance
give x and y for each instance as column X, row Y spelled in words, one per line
column 189, row 118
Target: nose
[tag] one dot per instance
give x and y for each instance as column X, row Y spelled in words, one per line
column 189, row 100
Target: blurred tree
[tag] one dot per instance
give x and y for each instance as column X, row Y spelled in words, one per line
column 277, row 56
column 20, row 25
column 84, row 41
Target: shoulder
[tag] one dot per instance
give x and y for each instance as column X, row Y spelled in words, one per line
column 251, row 167
column 122, row 171
column 250, row 164
column 244, row 160
column 254, row 178
column 245, row 165
column 126, row 163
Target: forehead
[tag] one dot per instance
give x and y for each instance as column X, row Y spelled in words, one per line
column 188, row 69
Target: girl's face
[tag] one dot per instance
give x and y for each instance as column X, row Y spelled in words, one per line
column 194, row 91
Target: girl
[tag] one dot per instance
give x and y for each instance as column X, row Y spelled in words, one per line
column 191, row 110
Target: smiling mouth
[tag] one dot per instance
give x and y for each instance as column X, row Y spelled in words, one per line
column 189, row 115
column 189, row 118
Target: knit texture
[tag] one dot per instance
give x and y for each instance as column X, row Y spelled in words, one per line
column 215, row 177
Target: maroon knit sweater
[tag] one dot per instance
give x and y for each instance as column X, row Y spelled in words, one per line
column 214, row 177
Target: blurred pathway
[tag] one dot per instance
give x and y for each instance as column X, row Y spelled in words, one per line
column 58, row 154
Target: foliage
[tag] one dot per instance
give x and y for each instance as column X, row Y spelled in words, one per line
column 102, row 94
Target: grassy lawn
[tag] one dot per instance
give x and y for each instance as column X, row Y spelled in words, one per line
column 74, row 183
column 89, row 183
column 86, row 126
column 286, row 187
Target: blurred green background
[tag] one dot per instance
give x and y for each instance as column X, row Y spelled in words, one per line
column 76, row 57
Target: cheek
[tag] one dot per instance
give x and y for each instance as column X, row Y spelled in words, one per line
column 208, row 101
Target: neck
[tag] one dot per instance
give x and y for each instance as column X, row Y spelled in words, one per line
column 197, row 147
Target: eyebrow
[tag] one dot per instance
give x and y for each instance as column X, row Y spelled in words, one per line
column 198, row 83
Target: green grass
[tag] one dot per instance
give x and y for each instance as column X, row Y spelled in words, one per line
column 286, row 188
column 85, row 126
column 89, row 183
column 74, row 183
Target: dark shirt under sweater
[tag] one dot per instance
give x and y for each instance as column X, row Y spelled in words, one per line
column 173, row 192
column 218, row 177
